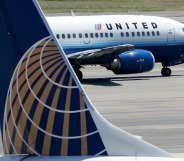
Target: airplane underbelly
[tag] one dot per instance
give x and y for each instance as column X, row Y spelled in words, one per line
column 165, row 53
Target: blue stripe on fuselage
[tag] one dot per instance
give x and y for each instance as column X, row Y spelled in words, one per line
column 161, row 51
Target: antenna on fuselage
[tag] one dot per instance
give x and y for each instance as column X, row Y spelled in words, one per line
column 72, row 13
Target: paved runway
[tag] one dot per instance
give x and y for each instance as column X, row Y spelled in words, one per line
column 144, row 104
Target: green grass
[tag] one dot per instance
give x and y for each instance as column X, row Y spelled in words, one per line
column 90, row 6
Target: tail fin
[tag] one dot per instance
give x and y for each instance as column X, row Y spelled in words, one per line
column 43, row 108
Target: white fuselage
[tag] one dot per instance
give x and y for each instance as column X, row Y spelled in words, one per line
column 78, row 33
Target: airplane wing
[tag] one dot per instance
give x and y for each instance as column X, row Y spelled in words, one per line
column 94, row 53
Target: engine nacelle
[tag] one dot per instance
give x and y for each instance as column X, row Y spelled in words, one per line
column 134, row 61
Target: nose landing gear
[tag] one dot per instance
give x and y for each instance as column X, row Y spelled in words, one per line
column 166, row 72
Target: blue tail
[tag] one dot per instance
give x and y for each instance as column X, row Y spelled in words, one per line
column 43, row 108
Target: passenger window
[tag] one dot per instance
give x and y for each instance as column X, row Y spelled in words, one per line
column 153, row 33
column 91, row 35
column 96, row 35
column 86, row 35
column 74, row 36
column 63, row 36
column 138, row 33
column 57, row 36
column 158, row 33
column 101, row 34
column 127, row 34
column 148, row 33
column 106, row 34
column 111, row 34
column 68, row 36
column 80, row 35
column 133, row 34
column 143, row 33
column 122, row 34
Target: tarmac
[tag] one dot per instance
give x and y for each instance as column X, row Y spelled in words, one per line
column 146, row 104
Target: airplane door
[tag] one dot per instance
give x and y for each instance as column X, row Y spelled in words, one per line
column 86, row 37
column 170, row 34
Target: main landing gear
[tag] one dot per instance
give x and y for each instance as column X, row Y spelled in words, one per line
column 166, row 72
column 78, row 72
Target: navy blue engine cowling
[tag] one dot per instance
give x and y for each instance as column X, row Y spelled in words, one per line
column 134, row 61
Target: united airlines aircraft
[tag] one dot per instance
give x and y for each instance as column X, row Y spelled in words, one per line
column 45, row 114
column 124, row 44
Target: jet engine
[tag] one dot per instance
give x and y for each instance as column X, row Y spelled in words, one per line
column 134, row 61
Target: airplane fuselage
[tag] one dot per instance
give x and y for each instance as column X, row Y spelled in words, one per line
column 163, row 37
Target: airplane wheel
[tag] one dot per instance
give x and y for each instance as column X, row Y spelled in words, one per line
column 166, row 72
column 79, row 74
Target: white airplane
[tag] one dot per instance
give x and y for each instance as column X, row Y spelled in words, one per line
column 124, row 44
column 45, row 113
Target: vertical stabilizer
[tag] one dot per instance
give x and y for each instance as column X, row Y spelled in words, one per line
column 43, row 108
column 45, row 113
